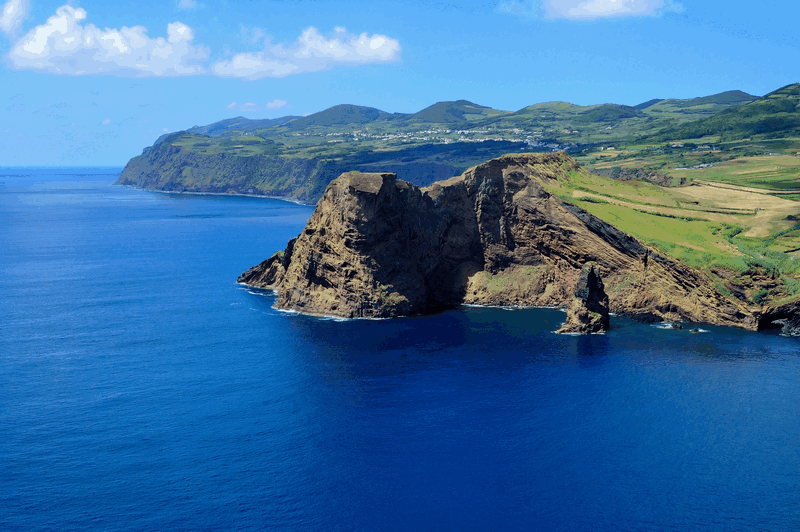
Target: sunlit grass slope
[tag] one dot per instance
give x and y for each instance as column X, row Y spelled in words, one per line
column 727, row 231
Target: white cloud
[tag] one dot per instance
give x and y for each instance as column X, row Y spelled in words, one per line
column 106, row 122
column 310, row 53
column 247, row 107
column 231, row 105
column 12, row 14
column 276, row 104
column 63, row 46
column 589, row 9
column 187, row 4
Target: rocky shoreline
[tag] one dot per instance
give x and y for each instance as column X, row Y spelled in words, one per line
column 225, row 194
column 379, row 247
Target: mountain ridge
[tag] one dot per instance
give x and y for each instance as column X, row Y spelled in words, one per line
column 450, row 111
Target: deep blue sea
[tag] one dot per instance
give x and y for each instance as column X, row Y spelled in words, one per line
column 142, row 389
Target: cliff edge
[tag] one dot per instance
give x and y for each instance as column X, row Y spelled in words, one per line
column 377, row 246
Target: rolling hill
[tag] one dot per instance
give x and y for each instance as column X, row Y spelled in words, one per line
column 776, row 114
column 340, row 115
column 453, row 112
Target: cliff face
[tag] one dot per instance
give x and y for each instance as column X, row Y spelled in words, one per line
column 377, row 247
column 369, row 250
column 172, row 167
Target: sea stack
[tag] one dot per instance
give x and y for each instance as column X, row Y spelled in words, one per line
column 588, row 312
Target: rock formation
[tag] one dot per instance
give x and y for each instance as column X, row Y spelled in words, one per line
column 377, row 246
column 786, row 317
column 588, row 312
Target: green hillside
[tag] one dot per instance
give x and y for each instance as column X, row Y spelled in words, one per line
column 609, row 113
column 648, row 103
column 723, row 98
column 775, row 115
column 613, row 123
column 238, row 125
column 453, row 112
column 340, row 115
column 550, row 125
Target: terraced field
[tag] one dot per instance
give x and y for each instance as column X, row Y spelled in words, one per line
column 778, row 173
column 709, row 225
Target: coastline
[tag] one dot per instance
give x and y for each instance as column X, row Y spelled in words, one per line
column 225, row 194
column 274, row 293
column 665, row 324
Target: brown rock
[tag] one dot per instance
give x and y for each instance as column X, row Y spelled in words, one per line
column 267, row 274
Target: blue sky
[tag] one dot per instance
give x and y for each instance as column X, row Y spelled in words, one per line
column 91, row 83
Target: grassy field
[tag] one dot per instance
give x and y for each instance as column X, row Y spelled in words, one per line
column 241, row 146
column 728, row 208
column 771, row 164
column 778, row 172
column 713, row 227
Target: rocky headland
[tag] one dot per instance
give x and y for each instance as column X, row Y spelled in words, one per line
column 377, row 247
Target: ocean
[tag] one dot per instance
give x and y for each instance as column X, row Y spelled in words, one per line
column 141, row 388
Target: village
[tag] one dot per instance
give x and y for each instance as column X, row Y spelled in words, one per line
column 533, row 139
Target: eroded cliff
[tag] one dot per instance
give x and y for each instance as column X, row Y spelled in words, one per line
column 377, row 246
